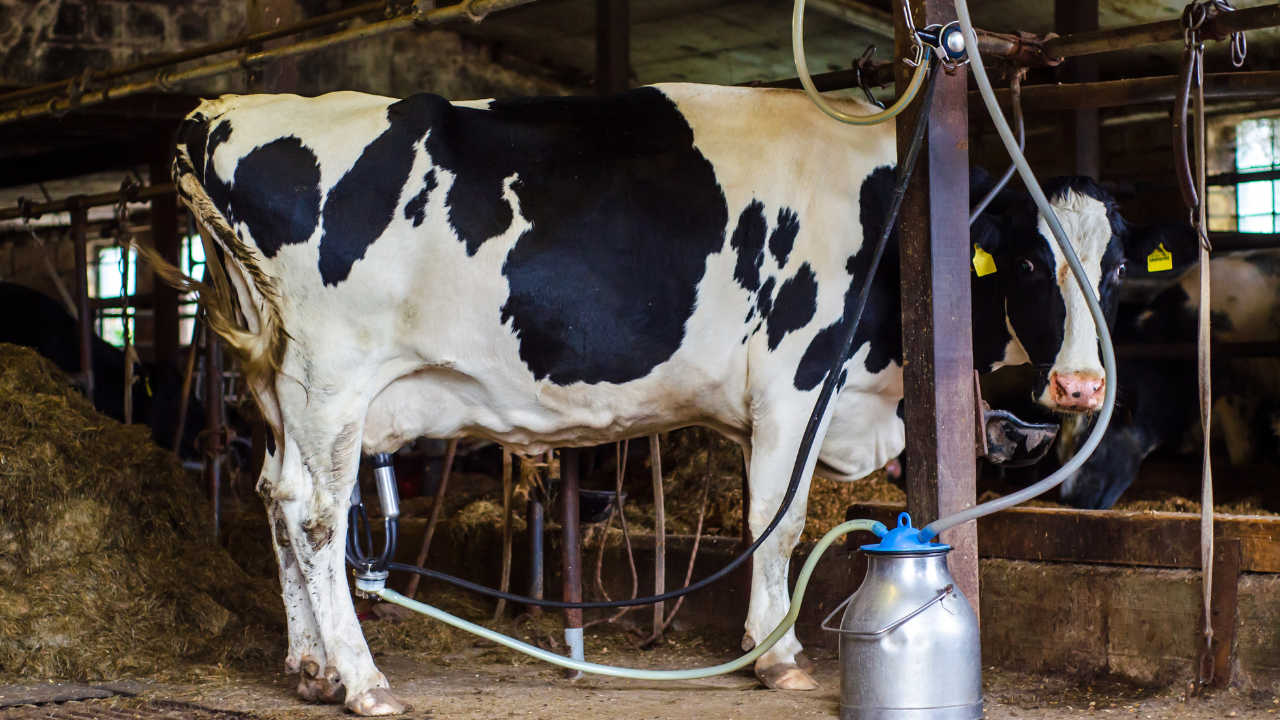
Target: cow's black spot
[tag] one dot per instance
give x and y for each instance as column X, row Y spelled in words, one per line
column 276, row 193
column 363, row 203
column 783, row 237
column 219, row 190
column 748, row 240
column 417, row 207
column 623, row 209
column 881, row 324
column 764, row 301
column 795, row 305
column 751, row 313
column 194, row 133
column 271, row 442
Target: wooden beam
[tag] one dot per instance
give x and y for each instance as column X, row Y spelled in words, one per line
column 873, row 20
column 937, row 346
column 165, row 238
column 1264, row 84
column 1079, row 127
column 613, row 46
column 1140, row 539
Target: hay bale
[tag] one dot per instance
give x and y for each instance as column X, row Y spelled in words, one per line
column 108, row 565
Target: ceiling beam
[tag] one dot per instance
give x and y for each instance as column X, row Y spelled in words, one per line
column 873, row 20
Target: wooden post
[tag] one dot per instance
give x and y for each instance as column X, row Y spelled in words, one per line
column 215, row 445
column 572, row 555
column 659, row 538
column 79, row 221
column 165, row 240
column 937, row 343
column 1080, row 127
column 613, row 46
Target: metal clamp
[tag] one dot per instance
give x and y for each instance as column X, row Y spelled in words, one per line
column 895, row 624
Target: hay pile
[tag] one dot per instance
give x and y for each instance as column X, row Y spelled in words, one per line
column 1156, row 502
column 684, row 465
column 108, row 567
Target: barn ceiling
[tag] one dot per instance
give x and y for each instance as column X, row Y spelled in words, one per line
column 727, row 42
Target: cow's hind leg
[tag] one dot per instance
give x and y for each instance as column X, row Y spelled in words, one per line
column 774, row 444
column 314, row 504
column 306, row 652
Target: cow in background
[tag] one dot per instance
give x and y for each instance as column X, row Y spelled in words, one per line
column 33, row 319
column 1159, row 400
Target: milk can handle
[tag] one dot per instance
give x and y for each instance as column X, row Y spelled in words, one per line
column 891, row 626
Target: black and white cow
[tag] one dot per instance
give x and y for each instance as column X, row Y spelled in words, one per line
column 1158, row 402
column 571, row 271
column 1046, row 320
column 32, row 319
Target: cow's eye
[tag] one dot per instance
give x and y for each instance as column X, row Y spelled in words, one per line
column 1121, row 269
column 1028, row 266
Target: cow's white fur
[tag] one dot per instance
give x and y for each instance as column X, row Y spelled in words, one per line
column 1084, row 219
column 412, row 344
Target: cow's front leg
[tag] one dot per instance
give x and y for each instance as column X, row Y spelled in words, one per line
column 316, row 523
column 784, row 666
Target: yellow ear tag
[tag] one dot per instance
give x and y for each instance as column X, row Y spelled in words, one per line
column 983, row 263
column 1159, row 259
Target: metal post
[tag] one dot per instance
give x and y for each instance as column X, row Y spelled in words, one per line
column 535, row 513
column 1079, row 127
column 613, row 46
column 215, row 446
column 572, row 555
column 165, row 240
column 79, row 220
column 937, row 347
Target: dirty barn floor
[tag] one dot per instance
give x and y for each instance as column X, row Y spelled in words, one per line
column 481, row 683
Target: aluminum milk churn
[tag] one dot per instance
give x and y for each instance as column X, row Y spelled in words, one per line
column 909, row 646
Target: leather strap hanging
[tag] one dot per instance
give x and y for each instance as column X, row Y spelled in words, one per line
column 1191, row 84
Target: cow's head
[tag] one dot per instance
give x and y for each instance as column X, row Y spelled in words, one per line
column 1046, row 318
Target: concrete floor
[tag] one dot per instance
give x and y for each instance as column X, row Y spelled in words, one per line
column 494, row 683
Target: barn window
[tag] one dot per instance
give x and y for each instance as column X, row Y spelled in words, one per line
column 1257, row 150
column 192, row 264
column 105, row 284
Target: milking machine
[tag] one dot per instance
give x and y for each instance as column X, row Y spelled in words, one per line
column 909, row 644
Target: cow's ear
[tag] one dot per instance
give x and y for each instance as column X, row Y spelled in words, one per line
column 1146, row 248
column 988, row 232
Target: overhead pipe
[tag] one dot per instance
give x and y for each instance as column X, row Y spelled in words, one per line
column 1217, row 27
column 30, row 209
column 62, row 86
column 474, row 10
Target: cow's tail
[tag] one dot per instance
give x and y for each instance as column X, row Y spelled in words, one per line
column 251, row 327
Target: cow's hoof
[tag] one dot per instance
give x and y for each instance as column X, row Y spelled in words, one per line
column 785, row 676
column 315, row 687
column 804, row 663
column 748, row 643
column 376, row 701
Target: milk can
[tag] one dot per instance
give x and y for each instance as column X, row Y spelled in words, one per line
column 909, row 647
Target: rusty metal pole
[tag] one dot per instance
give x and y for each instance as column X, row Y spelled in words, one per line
column 535, row 514
column 572, row 555
column 79, row 222
column 937, row 346
column 215, row 441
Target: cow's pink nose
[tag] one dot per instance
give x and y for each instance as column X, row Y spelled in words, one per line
column 1077, row 392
